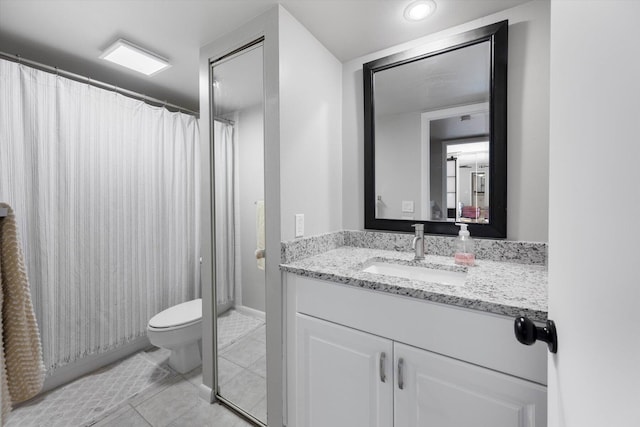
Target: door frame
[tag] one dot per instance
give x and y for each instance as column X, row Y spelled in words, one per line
column 426, row 118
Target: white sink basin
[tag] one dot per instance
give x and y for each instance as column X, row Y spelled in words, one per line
column 425, row 274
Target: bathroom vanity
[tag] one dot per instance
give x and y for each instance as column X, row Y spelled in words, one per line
column 382, row 347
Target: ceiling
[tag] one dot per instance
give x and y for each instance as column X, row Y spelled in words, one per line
column 71, row 34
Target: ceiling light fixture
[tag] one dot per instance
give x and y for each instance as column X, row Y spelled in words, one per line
column 419, row 9
column 134, row 57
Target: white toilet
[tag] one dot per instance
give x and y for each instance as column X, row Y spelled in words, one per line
column 179, row 329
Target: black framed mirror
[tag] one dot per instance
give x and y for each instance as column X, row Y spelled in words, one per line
column 435, row 135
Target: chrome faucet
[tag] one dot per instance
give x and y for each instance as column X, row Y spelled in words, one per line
column 418, row 241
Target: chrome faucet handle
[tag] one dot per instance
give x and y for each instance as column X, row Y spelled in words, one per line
column 419, row 228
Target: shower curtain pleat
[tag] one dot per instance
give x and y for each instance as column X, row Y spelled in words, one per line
column 105, row 189
column 223, row 165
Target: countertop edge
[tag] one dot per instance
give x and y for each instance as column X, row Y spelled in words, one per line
column 457, row 301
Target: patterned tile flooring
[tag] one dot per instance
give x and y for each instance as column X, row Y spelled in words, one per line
column 233, row 325
column 80, row 402
column 142, row 390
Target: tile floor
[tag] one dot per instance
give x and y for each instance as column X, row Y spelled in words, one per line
column 173, row 399
column 242, row 373
column 174, row 402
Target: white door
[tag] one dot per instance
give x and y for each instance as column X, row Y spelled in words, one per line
column 594, row 199
column 434, row 390
column 344, row 376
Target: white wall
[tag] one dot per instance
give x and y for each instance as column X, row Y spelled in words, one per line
column 398, row 164
column 250, row 140
column 310, row 131
column 528, row 121
column 594, row 379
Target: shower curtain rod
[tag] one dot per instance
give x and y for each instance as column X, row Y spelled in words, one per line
column 223, row 120
column 102, row 85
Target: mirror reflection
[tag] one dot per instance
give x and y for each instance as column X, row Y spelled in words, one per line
column 467, row 190
column 432, row 136
column 435, row 135
column 239, row 206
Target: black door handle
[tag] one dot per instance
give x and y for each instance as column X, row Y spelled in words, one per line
column 528, row 333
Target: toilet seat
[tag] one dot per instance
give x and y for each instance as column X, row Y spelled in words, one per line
column 178, row 316
column 171, row 328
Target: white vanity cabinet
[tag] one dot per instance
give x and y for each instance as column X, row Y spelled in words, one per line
column 362, row 358
column 435, row 390
column 343, row 376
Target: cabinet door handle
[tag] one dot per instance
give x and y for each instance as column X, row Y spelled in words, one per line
column 383, row 376
column 400, row 373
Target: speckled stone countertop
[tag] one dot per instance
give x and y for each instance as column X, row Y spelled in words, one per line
column 504, row 288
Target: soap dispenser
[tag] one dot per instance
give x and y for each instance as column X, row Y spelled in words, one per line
column 465, row 248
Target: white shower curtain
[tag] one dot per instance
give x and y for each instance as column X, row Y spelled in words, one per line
column 104, row 189
column 223, row 156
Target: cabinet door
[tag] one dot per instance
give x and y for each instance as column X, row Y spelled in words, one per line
column 339, row 376
column 445, row 392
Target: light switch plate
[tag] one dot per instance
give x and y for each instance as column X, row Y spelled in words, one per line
column 407, row 206
column 299, row 225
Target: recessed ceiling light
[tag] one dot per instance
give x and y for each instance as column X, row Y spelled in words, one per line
column 419, row 9
column 134, row 57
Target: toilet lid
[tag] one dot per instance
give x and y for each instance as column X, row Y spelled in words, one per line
column 187, row 312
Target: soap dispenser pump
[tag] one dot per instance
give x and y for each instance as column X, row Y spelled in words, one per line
column 465, row 248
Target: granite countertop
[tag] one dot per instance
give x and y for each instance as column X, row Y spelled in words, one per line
column 503, row 288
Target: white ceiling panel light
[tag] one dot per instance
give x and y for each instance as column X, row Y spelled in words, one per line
column 419, row 10
column 135, row 58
